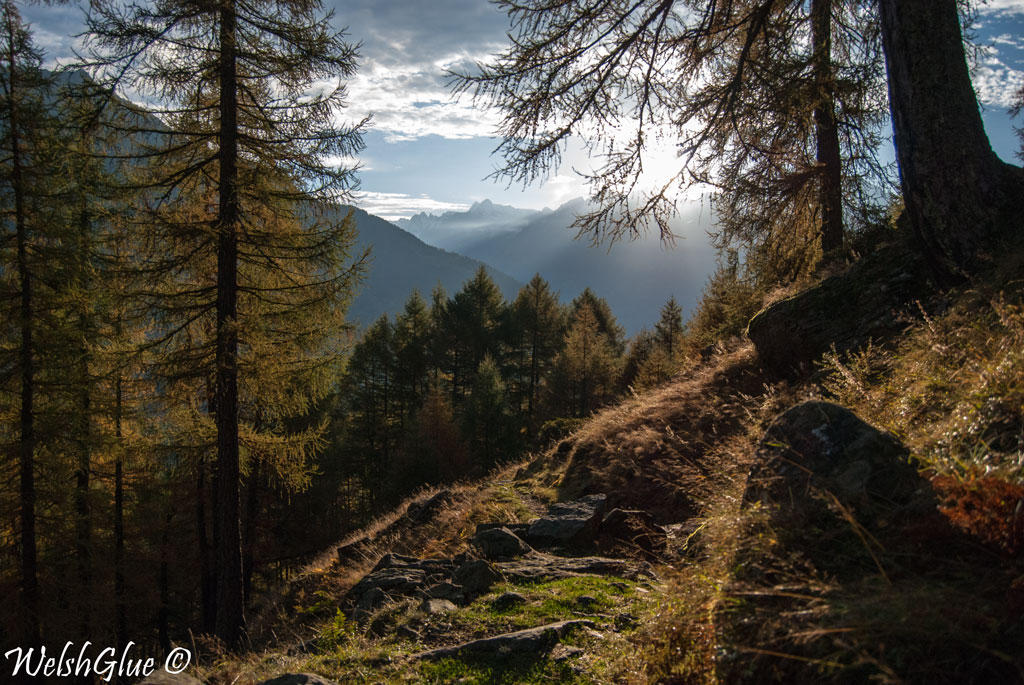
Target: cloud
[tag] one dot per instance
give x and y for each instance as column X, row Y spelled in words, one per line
column 996, row 82
column 1002, row 7
column 392, row 206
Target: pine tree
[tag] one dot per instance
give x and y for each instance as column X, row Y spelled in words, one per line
column 606, row 322
column 21, row 86
column 238, row 155
column 586, row 370
column 669, row 329
column 537, row 332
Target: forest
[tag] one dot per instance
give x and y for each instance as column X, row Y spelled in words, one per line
column 188, row 418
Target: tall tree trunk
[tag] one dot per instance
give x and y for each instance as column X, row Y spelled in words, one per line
column 83, row 524
column 830, row 189
column 26, row 438
column 120, row 605
column 958, row 194
column 230, row 617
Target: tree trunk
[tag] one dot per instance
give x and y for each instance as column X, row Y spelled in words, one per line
column 26, row 438
column 120, row 607
column 958, row 194
column 830, row 189
column 83, row 524
column 230, row 617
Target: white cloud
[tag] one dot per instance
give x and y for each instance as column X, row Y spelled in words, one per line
column 1002, row 7
column 997, row 83
column 392, row 206
column 410, row 101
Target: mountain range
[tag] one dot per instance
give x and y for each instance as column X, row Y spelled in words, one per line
column 635, row 276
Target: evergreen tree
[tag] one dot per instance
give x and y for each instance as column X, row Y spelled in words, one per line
column 236, row 159
column 470, row 327
column 537, row 332
column 669, row 329
column 486, row 420
column 412, row 337
column 606, row 322
column 586, row 370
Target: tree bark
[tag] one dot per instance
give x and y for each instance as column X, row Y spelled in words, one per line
column 83, row 524
column 959, row 196
column 26, row 438
column 830, row 188
column 230, row 616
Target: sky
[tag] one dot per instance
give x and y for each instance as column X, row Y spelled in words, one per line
column 429, row 152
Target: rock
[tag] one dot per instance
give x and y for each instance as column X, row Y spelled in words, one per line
column 519, row 529
column 476, row 577
column 562, row 652
column 529, row 641
column 821, row 445
column 370, row 601
column 819, row 469
column 446, row 590
column 298, row 679
column 423, row 511
column 568, row 523
column 436, row 606
column 844, row 311
column 507, row 601
column 540, row 567
column 391, row 580
column 500, row 543
column 631, row 533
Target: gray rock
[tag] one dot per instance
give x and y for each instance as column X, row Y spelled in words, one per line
column 568, row 523
column 436, row 606
column 391, row 581
column 298, row 679
column 507, row 601
column 530, row 641
column 520, row 529
column 843, row 311
column 562, row 652
column 476, row 577
column 820, row 448
column 541, row 567
column 445, row 590
column 500, row 543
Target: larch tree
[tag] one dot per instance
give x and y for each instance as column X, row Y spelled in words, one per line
column 537, row 332
column 245, row 96
column 774, row 103
column 959, row 196
column 22, row 83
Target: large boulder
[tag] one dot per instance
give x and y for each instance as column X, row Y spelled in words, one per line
column 476, row 577
column 500, row 543
column 818, row 465
column 568, row 523
column 844, row 312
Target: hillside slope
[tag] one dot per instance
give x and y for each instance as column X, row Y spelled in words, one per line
column 769, row 535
